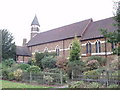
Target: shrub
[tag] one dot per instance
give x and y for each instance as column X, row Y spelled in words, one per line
column 5, row 73
column 91, row 74
column 113, row 86
column 77, row 84
column 11, row 76
column 62, row 63
column 33, row 69
column 101, row 60
column 18, row 74
column 9, row 62
column 93, row 64
column 48, row 79
column 93, row 85
column 48, row 62
column 24, row 66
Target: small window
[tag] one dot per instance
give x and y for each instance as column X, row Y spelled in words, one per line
column 98, row 47
column 90, row 48
column 87, row 48
column 57, row 51
column 70, row 46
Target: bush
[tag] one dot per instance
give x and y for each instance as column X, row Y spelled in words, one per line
column 33, row 69
column 9, row 62
column 48, row 62
column 91, row 74
column 93, row 85
column 5, row 73
column 48, row 79
column 77, row 84
column 113, row 86
column 11, row 76
column 101, row 60
column 18, row 74
column 93, row 64
column 24, row 66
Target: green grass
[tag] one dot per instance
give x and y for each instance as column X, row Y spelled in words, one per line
column 9, row 84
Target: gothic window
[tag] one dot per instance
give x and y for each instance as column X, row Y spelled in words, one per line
column 70, row 46
column 57, row 51
column 98, row 47
column 88, row 48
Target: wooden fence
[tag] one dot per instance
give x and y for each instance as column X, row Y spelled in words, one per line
column 103, row 79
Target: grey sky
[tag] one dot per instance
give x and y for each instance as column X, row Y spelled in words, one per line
column 17, row 15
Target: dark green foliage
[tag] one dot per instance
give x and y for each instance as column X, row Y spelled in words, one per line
column 8, row 46
column 101, row 60
column 24, row 66
column 8, row 62
column 40, row 56
column 49, row 62
column 5, row 73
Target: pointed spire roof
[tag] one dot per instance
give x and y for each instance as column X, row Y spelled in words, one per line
column 35, row 21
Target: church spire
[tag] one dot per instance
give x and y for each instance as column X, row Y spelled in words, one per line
column 35, row 21
column 35, row 27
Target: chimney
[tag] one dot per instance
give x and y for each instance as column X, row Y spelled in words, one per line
column 24, row 42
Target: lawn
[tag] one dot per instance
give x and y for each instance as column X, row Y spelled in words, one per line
column 9, row 84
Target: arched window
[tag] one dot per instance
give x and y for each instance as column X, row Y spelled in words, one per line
column 88, row 48
column 57, row 51
column 70, row 46
column 98, row 47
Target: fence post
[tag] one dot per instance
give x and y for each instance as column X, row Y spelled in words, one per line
column 72, row 74
column 107, row 74
column 61, row 77
column 30, row 77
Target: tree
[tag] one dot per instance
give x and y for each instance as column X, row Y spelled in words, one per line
column 114, row 37
column 8, row 46
column 75, row 65
column 75, row 50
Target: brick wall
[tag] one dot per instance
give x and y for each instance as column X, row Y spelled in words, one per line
column 64, row 46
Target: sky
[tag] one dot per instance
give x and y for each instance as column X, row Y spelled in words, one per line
column 16, row 15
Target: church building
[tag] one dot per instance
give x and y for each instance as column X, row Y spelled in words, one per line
column 60, row 39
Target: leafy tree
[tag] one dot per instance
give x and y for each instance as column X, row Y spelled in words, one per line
column 114, row 37
column 8, row 46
